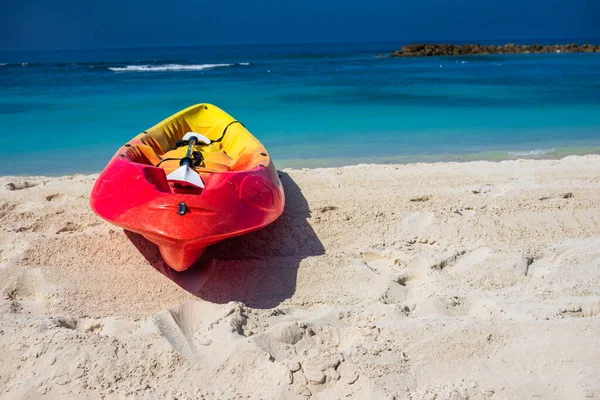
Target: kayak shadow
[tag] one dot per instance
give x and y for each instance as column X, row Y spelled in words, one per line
column 258, row 269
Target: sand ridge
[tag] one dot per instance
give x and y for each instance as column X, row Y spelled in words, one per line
column 420, row 281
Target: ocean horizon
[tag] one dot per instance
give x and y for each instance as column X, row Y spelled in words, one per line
column 312, row 105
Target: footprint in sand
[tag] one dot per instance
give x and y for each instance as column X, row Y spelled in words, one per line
column 566, row 195
column 69, row 227
column 48, row 225
column 30, row 292
column 462, row 260
column 11, row 250
column 418, row 222
column 112, row 327
column 478, row 189
column 56, row 197
column 448, row 261
column 327, row 208
column 420, row 199
column 466, row 212
column 6, row 208
column 191, row 328
column 588, row 309
column 388, row 286
column 427, row 307
column 20, row 185
column 451, row 306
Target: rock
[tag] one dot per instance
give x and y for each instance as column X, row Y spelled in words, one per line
column 439, row 50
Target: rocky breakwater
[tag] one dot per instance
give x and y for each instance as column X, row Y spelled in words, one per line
column 438, row 50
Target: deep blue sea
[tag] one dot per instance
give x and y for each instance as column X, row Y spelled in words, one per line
column 310, row 104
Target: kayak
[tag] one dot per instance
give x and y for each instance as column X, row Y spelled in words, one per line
column 193, row 180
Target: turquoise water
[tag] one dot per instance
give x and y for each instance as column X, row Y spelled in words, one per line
column 311, row 105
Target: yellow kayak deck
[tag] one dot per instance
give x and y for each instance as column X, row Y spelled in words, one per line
column 232, row 147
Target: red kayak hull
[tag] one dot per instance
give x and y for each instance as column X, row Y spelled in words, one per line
column 184, row 221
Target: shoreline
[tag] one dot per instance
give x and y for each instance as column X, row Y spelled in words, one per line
column 403, row 159
column 491, row 156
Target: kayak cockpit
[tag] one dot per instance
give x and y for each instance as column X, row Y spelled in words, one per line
column 232, row 147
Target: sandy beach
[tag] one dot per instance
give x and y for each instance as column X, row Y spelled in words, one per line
column 421, row 281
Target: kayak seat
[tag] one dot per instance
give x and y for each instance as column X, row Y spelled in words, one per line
column 232, row 149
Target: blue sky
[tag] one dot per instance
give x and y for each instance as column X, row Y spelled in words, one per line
column 73, row 24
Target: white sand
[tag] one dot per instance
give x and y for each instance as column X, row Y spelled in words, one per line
column 424, row 281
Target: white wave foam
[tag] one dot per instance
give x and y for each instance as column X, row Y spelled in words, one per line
column 170, row 67
column 531, row 153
